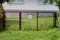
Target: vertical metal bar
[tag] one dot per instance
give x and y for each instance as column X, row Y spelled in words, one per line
column 37, row 21
column 4, row 20
column 19, row 20
column 54, row 19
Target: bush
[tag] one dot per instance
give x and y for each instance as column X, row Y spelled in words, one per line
column 1, row 10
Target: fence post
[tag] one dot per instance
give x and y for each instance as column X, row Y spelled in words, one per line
column 19, row 20
column 54, row 19
column 37, row 21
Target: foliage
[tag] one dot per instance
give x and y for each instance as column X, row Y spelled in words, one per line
column 7, row 0
column 30, row 24
column 52, row 34
column 50, row 1
column 58, row 3
column 1, row 1
column 1, row 9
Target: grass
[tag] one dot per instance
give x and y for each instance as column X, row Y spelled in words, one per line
column 31, row 24
column 52, row 34
column 28, row 32
column 12, row 24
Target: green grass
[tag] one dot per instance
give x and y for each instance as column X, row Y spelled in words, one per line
column 52, row 34
column 28, row 32
column 31, row 24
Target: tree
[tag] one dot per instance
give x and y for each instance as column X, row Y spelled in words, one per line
column 1, row 15
column 52, row 1
column 58, row 3
column 1, row 1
